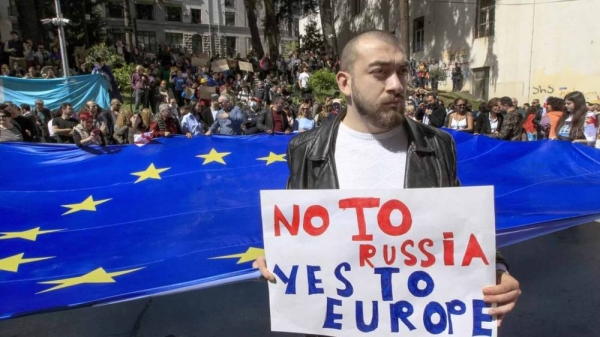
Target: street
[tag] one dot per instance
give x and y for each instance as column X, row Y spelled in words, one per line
column 558, row 274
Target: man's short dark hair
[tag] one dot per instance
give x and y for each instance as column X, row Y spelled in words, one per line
column 350, row 50
column 64, row 106
column 430, row 94
column 506, row 101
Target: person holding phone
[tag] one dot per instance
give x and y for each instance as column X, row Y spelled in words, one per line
column 85, row 134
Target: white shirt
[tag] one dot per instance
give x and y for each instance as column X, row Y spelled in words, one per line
column 303, row 78
column 368, row 161
column 50, row 131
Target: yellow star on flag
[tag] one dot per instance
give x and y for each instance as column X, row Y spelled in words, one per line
column 273, row 158
column 214, row 156
column 30, row 235
column 150, row 173
column 250, row 255
column 97, row 276
column 88, row 204
column 12, row 263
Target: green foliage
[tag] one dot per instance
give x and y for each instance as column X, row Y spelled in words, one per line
column 322, row 82
column 123, row 76
column 437, row 74
column 76, row 10
column 110, row 56
column 313, row 39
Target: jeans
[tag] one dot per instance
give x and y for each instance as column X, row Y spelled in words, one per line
column 140, row 99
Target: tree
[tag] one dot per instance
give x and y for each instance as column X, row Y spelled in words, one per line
column 29, row 17
column 251, row 7
column 326, row 13
column 271, row 31
column 313, row 39
column 80, row 30
column 403, row 26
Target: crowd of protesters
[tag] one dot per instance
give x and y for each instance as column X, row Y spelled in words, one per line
column 171, row 96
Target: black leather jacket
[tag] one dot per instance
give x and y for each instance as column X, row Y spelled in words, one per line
column 431, row 159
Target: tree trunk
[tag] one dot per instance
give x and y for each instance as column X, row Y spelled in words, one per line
column 326, row 13
column 29, row 20
column 403, row 26
column 253, row 25
column 271, row 29
column 127, row 24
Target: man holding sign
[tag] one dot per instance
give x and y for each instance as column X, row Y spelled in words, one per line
column 373, row 146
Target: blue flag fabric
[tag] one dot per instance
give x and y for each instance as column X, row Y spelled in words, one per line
column 101, row 225
column 76, row 90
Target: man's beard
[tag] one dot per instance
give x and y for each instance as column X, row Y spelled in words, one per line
column 387, row 119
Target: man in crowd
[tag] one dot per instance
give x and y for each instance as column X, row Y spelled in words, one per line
column 229, row 119
column 43, row 117
column 62, row 126
column 26, row 125
column 164, row 125
column 432, row 113
column 190, row 125
column 374, row 78
column 108, row 120
column 15, row 49
column 303, row 80
column 10, row 131
column 260, row 91
column 275, row 120
column 252, row 115
column 512, row 126
column 175, row 111
column 519, row 109
column 140, row 84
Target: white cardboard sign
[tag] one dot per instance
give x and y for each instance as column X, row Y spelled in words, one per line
column 380, row 262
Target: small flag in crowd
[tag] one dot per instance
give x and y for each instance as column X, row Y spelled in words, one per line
column 142, row 139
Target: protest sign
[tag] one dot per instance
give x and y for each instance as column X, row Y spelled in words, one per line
column 232, row 63
column 205, row 92
column 220, row 65
column 199, row 62
column 380, row 262
column 246, row 66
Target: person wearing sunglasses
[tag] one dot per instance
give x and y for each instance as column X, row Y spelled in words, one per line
column 461, row 119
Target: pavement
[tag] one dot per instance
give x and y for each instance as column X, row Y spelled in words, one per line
column 558, row 273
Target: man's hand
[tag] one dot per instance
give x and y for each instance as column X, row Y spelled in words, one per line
column 504, row 294
column 288, row 131
column 208, row 133
column 269, row 132
column 428, row 112
column 167, row 133
column 189, row 135
column 261, row 264
column 224, row 115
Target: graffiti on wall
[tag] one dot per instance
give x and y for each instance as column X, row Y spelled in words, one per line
column 546, row 90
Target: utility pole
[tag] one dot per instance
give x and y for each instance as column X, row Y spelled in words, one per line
column 61, row 39
column 403, row 26
column 127, row 23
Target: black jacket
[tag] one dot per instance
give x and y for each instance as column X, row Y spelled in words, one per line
column 207, row 117
column 431, row 159
column 266, row 122
column 106, row 118
column 437, row 117
column 482, row 123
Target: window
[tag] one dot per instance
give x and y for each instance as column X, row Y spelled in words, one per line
column 231, row 42
column 114, row 10
column 144, row 12
column 146, row 41
column 486, row 17
column 229, row 19
column 230, row 3
column 419, row 34
column 172, row 13
column 114, row 35
column 175, row 40
column 357, row 6
column 196, row 16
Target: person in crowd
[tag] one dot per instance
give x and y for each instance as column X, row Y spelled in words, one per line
column 422, row 70
column 26, row 125
column 276, row 119
column 9, row 130
column 461, row 119
column 433, row 113
column 179, row 84
column 108, row 119
column 164, row 125
column 103, row 69
column 326, row 157
column 6, row 72
column 190, row 125
column 41, row 56
column 63, row 125
column 43, row 117
column 122, row 126
column 555, row 107
column 577, row 124
column 85, row 134
column 174, row 106
column 31, row 73
column 163, row 93
column 147, row 117
column 529, row 127
column 303, row 81
column 34, row 123
column 512, row 125
column 456, row 77
column 140, row 84
column 252, row 115
column 15, row 49
column 136, row 128
column 244, row 95
column 304, row 121
column 229, row 119
column 50, row 73
column 489, row 121
column 520, row 110
column 410, row 112
column 210, row 111
column 260, row 91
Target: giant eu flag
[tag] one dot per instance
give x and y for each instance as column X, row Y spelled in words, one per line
column 80, row 227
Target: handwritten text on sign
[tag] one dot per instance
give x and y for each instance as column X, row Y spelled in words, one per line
column 381, row 263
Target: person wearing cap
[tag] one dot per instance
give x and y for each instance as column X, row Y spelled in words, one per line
column 63, row 125
column 85, row 133
column 9, row 130
column 108, row 119
column 164, row 125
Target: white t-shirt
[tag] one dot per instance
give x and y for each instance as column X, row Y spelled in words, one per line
column 50, row 130
column 367, row 161
column 493, row 123
column 303, row 78
column 590, row 127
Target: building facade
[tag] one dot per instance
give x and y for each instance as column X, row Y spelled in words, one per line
column 209, row 26
column 520, row 48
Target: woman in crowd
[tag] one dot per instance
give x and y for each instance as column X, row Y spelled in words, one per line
column 10, row 131
column 122, row 126
column 577, row 124
column 85, row 134
column 304, row 122
column 554, row 110
column 461, row 119
column 529, row 126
